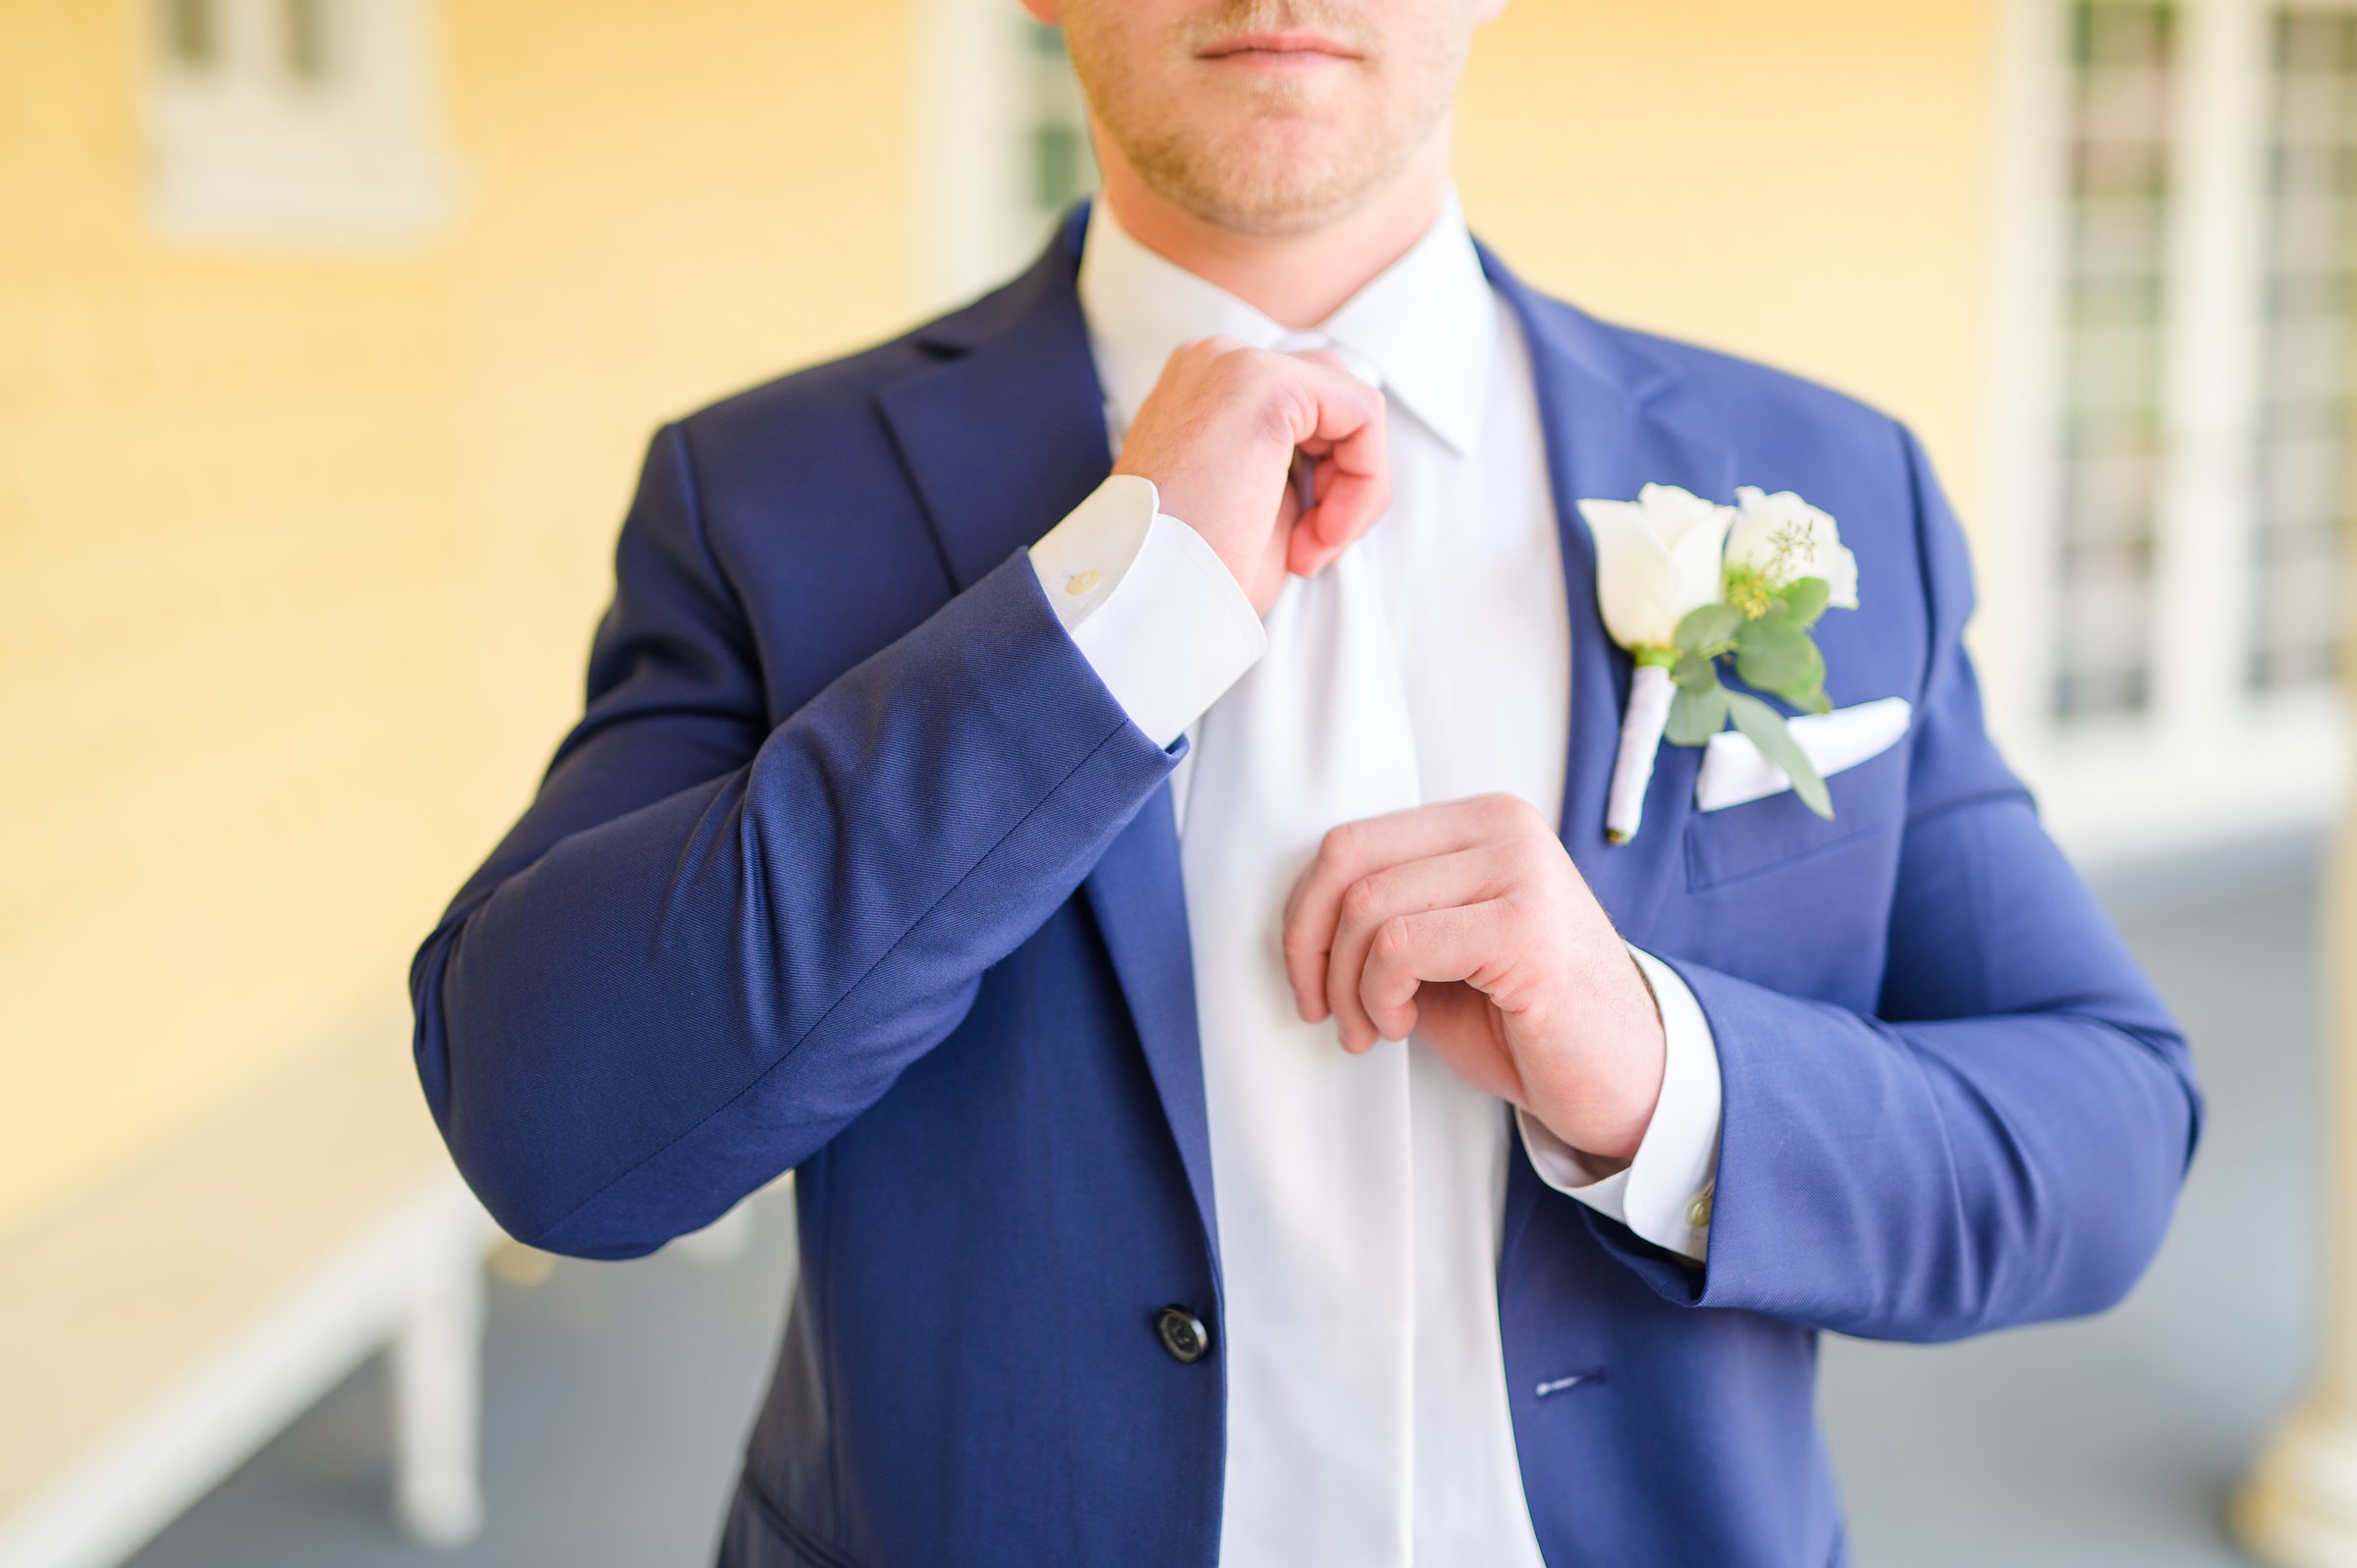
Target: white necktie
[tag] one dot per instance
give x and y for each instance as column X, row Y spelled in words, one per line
column 1311, row 1147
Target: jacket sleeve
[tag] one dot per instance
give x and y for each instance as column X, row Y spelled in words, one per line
column 2003, row 1140
column 709, row 943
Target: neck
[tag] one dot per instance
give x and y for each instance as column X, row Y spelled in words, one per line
column 1296, row 280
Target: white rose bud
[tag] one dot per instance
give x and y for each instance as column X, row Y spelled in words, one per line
column 1657, row 557
column 1809, row 542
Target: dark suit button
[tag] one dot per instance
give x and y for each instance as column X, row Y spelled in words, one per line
column 1182, row 1334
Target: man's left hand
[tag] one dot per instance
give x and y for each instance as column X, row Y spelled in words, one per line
column 1466, row 921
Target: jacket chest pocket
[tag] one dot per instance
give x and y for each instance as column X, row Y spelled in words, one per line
column 1757, row 837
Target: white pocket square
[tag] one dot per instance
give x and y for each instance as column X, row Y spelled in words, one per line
column 1734, row 771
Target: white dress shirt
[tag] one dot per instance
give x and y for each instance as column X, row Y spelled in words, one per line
column 1469, row 559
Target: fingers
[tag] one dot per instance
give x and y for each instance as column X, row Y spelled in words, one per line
column 1429, row 947
column 1225, row 431
column 1357, row 850
column 1330, row 530
column 1374, row 903
column 1343, row 425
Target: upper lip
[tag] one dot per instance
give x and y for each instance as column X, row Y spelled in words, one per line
column 1287, row 42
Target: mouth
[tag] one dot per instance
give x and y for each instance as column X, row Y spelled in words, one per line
column 1288, row 50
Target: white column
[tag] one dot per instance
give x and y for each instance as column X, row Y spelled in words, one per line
column 437, row 1404
column 2298, row 1507
column 726, row 1240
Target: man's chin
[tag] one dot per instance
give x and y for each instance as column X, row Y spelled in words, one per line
column 1271, row 194
column 1267, row 211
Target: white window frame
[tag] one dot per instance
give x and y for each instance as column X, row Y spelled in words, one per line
column 2210, row 759
column 975, row 221
column 240, row 152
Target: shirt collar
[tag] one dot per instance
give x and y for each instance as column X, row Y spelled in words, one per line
column 1427, row 321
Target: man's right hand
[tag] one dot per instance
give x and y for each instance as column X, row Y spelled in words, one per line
column 1218, row 433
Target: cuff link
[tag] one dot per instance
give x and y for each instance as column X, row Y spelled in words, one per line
column 1081, row 581
column 1698, row 1212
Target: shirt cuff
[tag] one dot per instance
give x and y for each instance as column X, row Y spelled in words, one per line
column 1663, row 1193
column 1158, row 615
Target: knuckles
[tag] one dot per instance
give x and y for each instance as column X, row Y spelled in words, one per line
column 1512, row 815
column 1360, row 903
column 1389, row 945
column 1339, row 846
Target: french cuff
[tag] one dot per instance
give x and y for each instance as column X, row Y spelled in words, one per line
column 1156, row 614
column 1664, row 1192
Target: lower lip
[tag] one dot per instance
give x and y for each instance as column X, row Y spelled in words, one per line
column 1282, row 60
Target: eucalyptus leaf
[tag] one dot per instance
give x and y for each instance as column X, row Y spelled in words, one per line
column 1805, row 599
column 1695, row 671
column 1696, row 716
column 1707, row 625
column 1776, row 655
column 1766, row 728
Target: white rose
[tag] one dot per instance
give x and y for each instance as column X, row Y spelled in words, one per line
column 1657, row 556
column 1810, row 542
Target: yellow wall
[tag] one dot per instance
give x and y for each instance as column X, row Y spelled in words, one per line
column 1808, row 182
column 300, row 555
column 669, row 202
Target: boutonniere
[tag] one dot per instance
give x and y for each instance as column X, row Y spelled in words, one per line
column 1684, row 582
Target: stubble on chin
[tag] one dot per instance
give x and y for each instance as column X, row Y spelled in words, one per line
column 1251, row 181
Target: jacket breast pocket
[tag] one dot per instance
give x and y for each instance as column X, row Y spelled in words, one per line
column 1773, row 831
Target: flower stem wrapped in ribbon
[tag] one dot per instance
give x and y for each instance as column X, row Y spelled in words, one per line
column 1684, row 582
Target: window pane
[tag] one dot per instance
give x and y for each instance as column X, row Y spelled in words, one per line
column 305, row 30
column 1060, row 168
column 2115, row 316
column 192, row 30
column 2302, row 463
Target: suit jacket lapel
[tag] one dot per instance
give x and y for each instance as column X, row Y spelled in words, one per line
column 1003, row 437
column 1607, row 436
column 1006, row 433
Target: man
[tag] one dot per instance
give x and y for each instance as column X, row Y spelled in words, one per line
column 1109, row 788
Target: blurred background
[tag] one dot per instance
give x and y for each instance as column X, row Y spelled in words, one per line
column 332, row 332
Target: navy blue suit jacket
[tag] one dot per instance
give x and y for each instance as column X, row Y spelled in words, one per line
column 853, row 866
